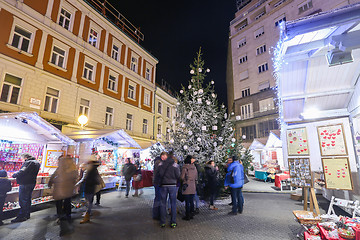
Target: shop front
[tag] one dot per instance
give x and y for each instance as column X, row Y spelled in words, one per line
column 28, row 133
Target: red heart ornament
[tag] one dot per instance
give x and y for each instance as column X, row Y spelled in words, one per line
column 301, row 150
column 328, row 144
column 298, row 152
column 338, row 176
column 305, row 149
column 333, row 145
column 325, row 130
column 321, row 133
column 333, row 137
column 291, row 141
column 329, row 173
column 305, row 140
column 323, row 145
column 338, row 133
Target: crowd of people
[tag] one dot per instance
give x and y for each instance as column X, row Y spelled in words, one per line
column 171, row 182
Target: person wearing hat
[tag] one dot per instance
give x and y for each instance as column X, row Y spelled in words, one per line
column 235, row 180
column 5, row 186
column 91, row 179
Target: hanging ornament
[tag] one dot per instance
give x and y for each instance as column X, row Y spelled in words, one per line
column 189, row 87
column 173, row 121
column 192, row 71
column 232, row 113
column 185, row 147
column 215, row 116
column 208, row 102
column 190, row 132
column 201, row 91
column 195, row 92
column 192, row 80
column 238, row 117
column 212, row 82
column 178, row 103
column 233, row 140
column 220, row 139
column 199, row 100
column 199, row 139
column 213, row 95
column 171, row 141
column 200, row 70
column 215, row 144
column 181, row 91
column 197, row 148
column 222, row 106
column 168, row 130
column 225, row 115
column 203, row 128
column 214, row 128
column 207, row 70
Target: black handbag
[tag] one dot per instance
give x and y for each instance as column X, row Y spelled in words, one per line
column 246, row 179
column 180, row 195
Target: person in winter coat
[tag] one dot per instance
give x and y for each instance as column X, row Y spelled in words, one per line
column 5, row 186
column 189, row 177
column 91, row 180
column 64, row 180
column 26, row 178
column 137, row 181
column 211, row 175
column 167, row 175
column 128, row 171
column 157, row 199
column 235, row 180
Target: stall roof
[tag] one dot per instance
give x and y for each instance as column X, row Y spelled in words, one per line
column 318, row 64
column 258, row 144
column 30, row 127
column 274, row 140
column 117, row 136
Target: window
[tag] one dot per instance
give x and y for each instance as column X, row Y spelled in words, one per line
column 242, row 43
column 280, row 20
column 279, row 3
column 159, row 130
column 51, row 100
column 131, row 91
column 112, row 83
column 249, row 132
column 259, row 15
column 93, row 36
column 115, row 52
column 58, row 57
column 264, row 86
column 245, row 92
column 259, row 32
column 160, row 107
column 168, row 112
column 241, row 25
column 129, row 122
column 244, row 75
column 147, row 74
column 64, row 19
column 21, row 39
column 243, row 59
column 305, row 6
column 133, row 65
column 109, row 116
column 11, row 89
column 147, row 98
column 246, row 111
column 266, row 105
column 260, row 50
column 145, row 126
column 266, row 127
column 262, row 68
column 84, row 107
column 88, row 72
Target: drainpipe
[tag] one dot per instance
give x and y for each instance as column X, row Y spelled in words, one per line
column 154, row 117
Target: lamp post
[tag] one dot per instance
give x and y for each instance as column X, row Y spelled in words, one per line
column 82, row 120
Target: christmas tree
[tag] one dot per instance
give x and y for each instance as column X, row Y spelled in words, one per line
column 202, row 128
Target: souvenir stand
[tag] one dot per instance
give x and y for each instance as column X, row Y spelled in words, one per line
column 28, row 133
column 317, row 68
column 112, row 145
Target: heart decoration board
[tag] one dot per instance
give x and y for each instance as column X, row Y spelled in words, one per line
column 332, row 140
column 297, row 142
column 300, row 172
column 337, row 173
column 52, row 157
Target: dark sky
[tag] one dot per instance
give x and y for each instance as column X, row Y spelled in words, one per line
column 175, row 30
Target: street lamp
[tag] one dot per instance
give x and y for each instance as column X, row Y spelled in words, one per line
column 82, row 120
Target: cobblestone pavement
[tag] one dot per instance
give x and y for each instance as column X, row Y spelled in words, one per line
column 265, row 216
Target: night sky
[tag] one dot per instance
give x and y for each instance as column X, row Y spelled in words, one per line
column 175, row 30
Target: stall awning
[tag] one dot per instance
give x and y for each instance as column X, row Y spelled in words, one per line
column 258, row 144
column 318, row 64
column 30, row 127
column 116, row 137
column 274, row 140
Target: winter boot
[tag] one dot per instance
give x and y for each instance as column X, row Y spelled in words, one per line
column 86, row 218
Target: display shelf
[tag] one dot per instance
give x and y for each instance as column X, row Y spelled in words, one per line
column 107, row 172
column 32, row 204
column 12, row 179
column 35, row 189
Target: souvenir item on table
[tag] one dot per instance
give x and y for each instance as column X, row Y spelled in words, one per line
column 330, row 226
column 313, row 230
column 348, row 233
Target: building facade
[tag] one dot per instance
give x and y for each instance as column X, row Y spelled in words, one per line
column 66, row 58
column 254, row 33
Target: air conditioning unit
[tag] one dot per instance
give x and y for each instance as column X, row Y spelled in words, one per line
column 336, row 57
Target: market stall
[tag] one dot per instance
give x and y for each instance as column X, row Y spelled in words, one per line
column 28, row 133
column 112, row 145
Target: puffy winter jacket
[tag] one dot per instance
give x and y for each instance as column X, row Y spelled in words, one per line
column 237, row 171
column 168, row 173
column 5, row 183
column 28, row 172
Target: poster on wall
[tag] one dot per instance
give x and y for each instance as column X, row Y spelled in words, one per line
column 300, row 172
column 52, row 157
column 297, row 142
column 337, row 173
column 332, row 140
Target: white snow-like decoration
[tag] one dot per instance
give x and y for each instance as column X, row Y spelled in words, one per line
column 207, row 70
column 189, row 87
column 222, row 106
column 171, row 141
column 181, row 91
column 213, row 95
column 168, row 130
column 178, row 103
column 199, row 100
column 215, row 116
column 220, row 139
column 200, row 70
column 201, row 91
column 208, row 102
column 192, row 71
column 197, row 148
column 185, row 147
column 195, row 93
column 199, row 139
column 203, row 128
column 212, row 82
column 214, row 128
column 215, row 144
column 190, row 132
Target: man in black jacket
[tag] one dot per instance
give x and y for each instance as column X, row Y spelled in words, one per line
column 26, row 178
column 128, row 171
column 157, row 199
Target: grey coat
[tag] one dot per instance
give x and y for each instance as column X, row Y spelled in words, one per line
column 189, row 176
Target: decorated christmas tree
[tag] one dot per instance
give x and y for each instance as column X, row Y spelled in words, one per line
column 202, row 128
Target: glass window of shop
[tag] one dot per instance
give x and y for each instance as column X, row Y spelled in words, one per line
column 51, row 100
column 84, row 107
column 11, row 89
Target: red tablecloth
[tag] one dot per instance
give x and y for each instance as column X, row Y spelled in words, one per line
column 279, row 177
column 146, row 180
column 308, row 236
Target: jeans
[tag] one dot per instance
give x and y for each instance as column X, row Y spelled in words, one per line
column 196, row 197
column 63, row 208
column 25, row 192
column 157, row 202
column 2, row 201
column 164, row 192
column 189, row 204
column 127, row 187
column 237, row 199
column 89, row 199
